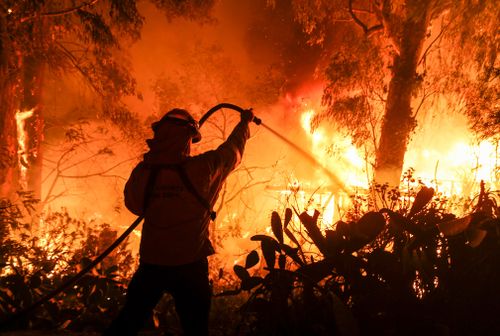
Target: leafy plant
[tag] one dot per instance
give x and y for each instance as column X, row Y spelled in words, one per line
column 400, row 269
column 35, row 261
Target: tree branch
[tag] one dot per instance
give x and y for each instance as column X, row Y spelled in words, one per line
column 383, row 13
column 101, row 173
column 92, row 175
column 247, row 186
column 424, row 54
column 424, row 98
column 70, row 10
column 60, row 12
column 74, row 61
column 366, row 30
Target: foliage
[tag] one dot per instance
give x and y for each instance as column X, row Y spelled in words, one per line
column 409, row 268
column 466, row 67
column 83, row 36
column 37, row 255
column 356, row 85
column 192, row 9
column 79, row 38
column 388, row 59
column 87, row 152
column 206, row 75
column 36, row 260
column 67, row 38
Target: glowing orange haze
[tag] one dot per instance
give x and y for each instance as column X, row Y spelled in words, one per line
column 460, row 166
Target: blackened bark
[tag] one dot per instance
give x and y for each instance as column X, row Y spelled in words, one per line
column 399, row 120
column 34, row 126
column 8, row 138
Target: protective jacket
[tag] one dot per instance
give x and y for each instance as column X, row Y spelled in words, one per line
column 176, row 224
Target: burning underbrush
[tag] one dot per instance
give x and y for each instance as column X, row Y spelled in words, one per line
column 297, row 252
column 408, row 265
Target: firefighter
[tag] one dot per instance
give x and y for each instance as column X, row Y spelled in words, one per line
column 176, row 193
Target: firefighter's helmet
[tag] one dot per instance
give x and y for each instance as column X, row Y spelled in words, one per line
column 183, row 118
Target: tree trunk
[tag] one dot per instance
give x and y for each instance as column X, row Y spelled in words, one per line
column 8, row 141
column 34, row 126
column 20, row 90
column 8, row 138
column 399, row 120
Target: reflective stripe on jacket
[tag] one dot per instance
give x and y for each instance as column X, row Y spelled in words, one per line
column 175, row 229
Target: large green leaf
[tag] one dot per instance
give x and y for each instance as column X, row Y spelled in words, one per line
column 276, row 226
column 291, row 236
column 288, row 217
column 252, row 259
column 365, row 230
column 385, row 264
column 292, row 253
column 269, row 251
column 316, row 271
column 476, row 236
column 401, row 223
column 342, row 228
column 269, row 247
column 241, row 272
column 344, row 318
column 455, row 226
column 423, row 197
column 334, row 241
column 282, row 261
column 261, row 238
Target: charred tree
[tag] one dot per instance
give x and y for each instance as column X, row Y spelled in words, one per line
column 8, row 145
column 32, row 84
column 34, row 128
column 20, row 90
column 408, row 38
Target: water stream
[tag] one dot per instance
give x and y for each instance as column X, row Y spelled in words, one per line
column 309, row 157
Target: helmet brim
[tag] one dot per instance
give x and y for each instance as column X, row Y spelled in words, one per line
column 185, row 117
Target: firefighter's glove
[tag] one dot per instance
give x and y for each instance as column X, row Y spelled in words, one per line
column 247, row 115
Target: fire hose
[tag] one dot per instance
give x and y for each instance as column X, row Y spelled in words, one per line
column 71, row 281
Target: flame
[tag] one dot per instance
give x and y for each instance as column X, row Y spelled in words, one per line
column 454, row 169
column 459, row 169
column 337, row 153
column 22, row 139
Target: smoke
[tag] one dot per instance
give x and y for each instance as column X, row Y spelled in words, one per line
column 250, row 55
column 264, row 48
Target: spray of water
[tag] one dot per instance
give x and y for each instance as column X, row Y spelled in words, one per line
column 309, row 157
column 258, row 121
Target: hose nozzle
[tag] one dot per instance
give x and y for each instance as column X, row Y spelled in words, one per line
column 257, row 121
